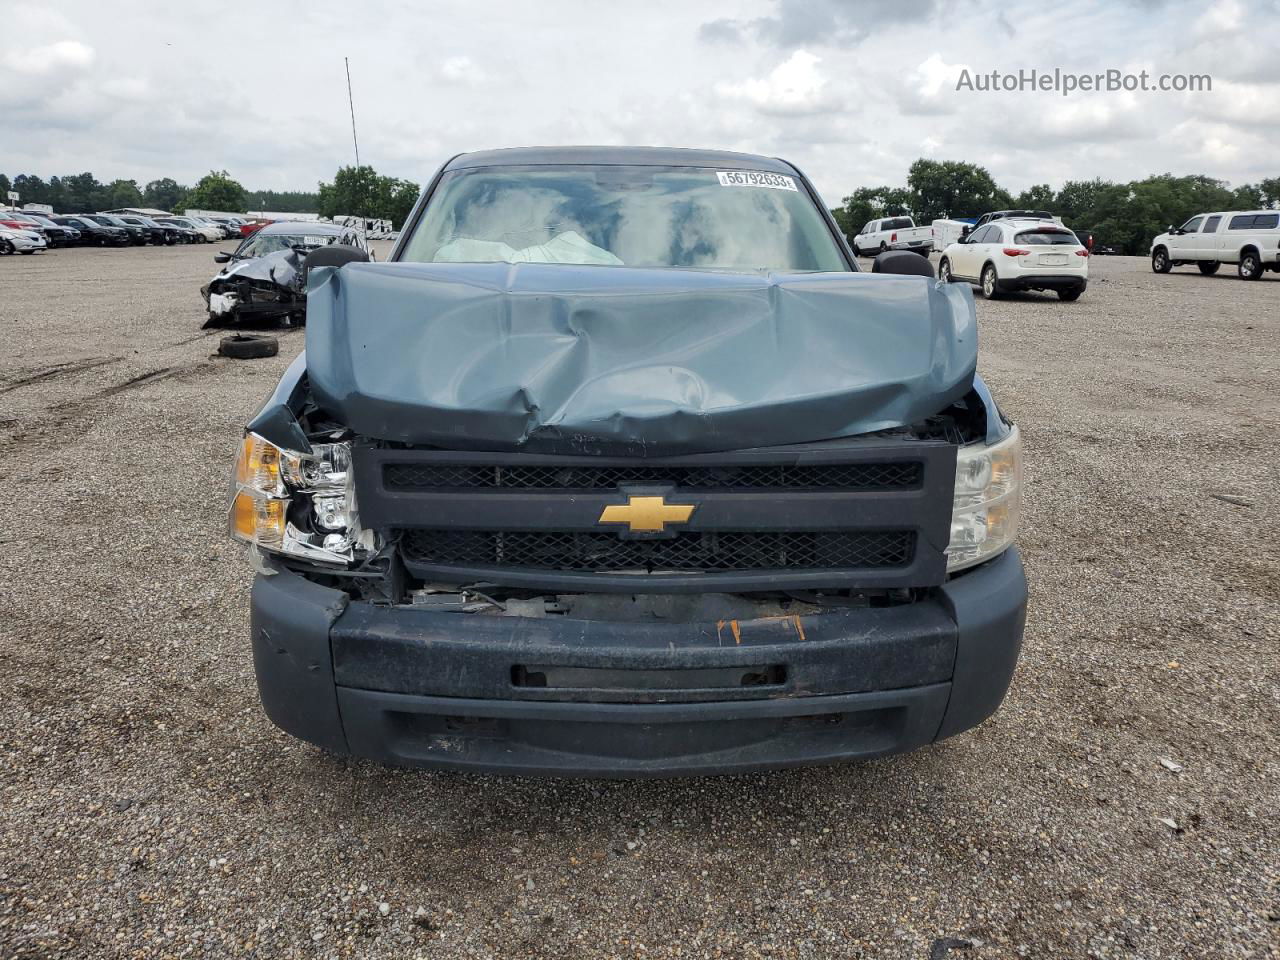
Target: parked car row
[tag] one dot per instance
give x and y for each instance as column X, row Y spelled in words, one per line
column 40, row 231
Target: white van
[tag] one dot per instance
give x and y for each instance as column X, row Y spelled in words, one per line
column 1248, row 238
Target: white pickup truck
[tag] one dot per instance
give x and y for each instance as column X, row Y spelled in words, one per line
column 1248, row 238
column 893, row 233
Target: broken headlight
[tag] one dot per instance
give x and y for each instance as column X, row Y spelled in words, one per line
column 988, row 499
column 301, row 504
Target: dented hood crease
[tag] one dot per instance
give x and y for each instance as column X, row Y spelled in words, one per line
column 581, row 359
column 281, row 267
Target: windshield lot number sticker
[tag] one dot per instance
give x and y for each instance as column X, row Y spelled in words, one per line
column 754, row 178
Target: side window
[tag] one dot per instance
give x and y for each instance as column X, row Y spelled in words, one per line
column 1266, row 221
column 1211, row 225
column 866, row 227
column 987, row 234
column 1192, row 225
column 1242, row 222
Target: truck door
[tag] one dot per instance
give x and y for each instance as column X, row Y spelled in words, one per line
column 1184, row 246
column 1206, row 247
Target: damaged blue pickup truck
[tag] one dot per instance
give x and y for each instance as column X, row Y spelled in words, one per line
column 620, row 466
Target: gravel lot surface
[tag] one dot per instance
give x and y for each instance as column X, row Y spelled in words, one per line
column 1123, row 803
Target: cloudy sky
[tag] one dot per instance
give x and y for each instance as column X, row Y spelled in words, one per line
column 850, row 90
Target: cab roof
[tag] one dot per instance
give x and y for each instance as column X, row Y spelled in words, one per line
column 619, row 156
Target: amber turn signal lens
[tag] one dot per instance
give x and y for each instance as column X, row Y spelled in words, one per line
column 258, row 519
column 258, row 466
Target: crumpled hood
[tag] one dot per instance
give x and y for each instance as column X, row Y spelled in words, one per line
column 590, row 359
column 283, row 268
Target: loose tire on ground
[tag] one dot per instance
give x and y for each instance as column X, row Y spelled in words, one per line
column 1209, row 268
column 1071, row 295
column 248, row 347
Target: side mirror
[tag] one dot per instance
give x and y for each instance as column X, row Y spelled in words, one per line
column 904, row 262
column 221, row 257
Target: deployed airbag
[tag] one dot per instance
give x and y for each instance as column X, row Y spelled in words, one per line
column 596, row 359
column 568, row 247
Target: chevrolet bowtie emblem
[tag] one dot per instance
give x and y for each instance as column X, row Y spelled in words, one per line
column 647, row 514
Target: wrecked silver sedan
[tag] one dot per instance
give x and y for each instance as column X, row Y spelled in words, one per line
column 622, row 467
column 265, row 277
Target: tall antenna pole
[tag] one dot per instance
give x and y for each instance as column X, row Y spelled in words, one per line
column 351, row 101
column 356, row 143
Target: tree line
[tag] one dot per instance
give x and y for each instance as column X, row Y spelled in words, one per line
column 1124, row 215
column 354, row 191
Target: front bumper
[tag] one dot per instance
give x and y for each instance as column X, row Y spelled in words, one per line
column 230, row 305
column 552, row 696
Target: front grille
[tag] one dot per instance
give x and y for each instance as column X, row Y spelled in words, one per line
column 687, row 551
column 897, row 475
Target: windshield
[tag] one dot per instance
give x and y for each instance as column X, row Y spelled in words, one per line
column 258, row 246
column 639, row 216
